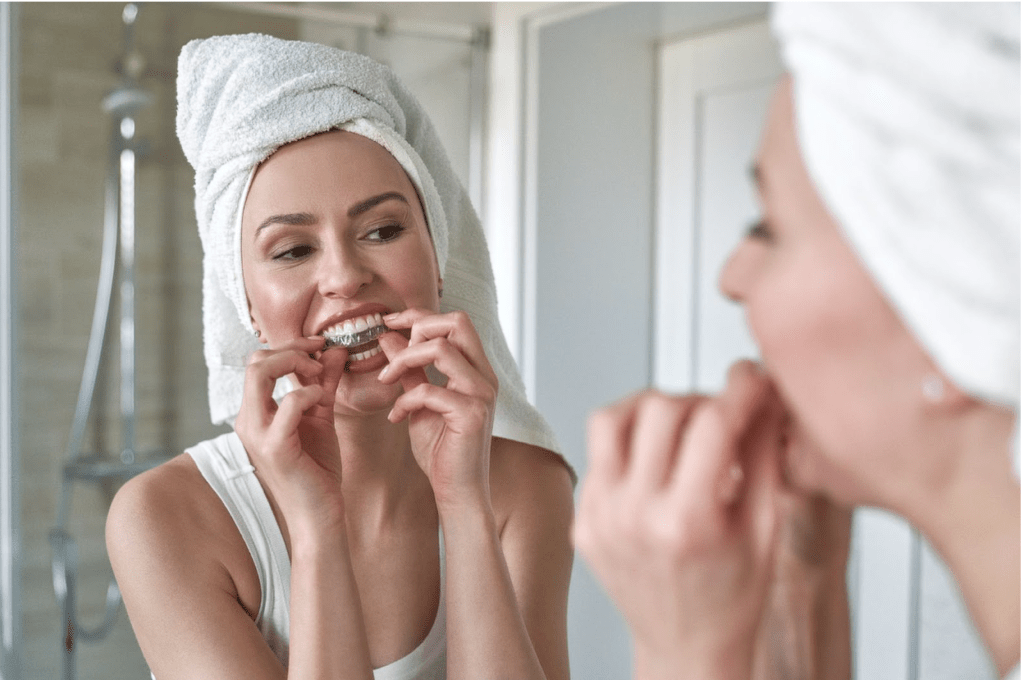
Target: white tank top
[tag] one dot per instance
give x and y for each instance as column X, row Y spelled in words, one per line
column 225, row 466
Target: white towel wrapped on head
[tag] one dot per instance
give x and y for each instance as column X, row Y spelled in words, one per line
column 908, row 120
column 241, row 97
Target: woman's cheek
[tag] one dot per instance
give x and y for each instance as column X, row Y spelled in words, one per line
column 282, row 307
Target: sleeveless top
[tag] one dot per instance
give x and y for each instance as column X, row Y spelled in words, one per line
column 225, row 466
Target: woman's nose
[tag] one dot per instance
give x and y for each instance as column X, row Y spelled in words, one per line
column 341, row 272
column 735, row 275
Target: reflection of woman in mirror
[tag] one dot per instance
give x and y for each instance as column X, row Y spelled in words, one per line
column 883, row 288
column 363, row 517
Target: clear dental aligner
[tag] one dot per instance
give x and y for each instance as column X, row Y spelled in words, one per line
column 355, row 332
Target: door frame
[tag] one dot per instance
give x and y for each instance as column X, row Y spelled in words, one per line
column 10, row 507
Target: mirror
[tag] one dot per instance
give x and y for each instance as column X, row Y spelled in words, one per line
column 101, row 177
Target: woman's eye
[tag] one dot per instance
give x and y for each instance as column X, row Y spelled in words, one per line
column 759, row 229
column 296, row 253
column 386, row 233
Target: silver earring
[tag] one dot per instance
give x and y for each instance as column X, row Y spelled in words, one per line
column 933, row 388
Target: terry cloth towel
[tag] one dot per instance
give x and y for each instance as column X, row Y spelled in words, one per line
column 240, row 97
column 908, row 119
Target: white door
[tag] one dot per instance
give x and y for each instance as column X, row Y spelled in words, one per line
column 908, row 621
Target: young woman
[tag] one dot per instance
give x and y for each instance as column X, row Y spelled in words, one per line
column 882, row 286
column 367, row 520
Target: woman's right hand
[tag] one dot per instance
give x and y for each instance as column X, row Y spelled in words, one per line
column 293, row 445
column 678, row 519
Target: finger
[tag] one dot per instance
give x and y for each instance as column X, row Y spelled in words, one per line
column 453, row 406
column 392, row 344
column 439, row 352
column 292, row 407
column 334, row 357
column 657, row 433
column 583, row 532
column 760, row 504
column 609, row 431
column 333, row 360
column 712, row 444
column 264, row 370
column 406, row 318
column 457, row 327
column 308, row 345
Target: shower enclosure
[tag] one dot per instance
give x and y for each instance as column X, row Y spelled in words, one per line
column 117, row 264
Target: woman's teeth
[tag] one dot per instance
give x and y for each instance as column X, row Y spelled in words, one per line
column 355, row 332
column 359, row 356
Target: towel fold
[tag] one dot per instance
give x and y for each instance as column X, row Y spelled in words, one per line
column 240, row 97
column 908, row 119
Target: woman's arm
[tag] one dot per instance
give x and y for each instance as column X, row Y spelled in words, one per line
column 494, row 616
column 805, row 630
column 174, row 560
column 328, row 636
column 532, row 489
column 176, row 555
column 294, row 448
column 177, row 559
column 508, row 585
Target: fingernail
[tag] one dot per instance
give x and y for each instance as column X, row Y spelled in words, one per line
column 391, row 316
column 383, row 372
column 391, row 413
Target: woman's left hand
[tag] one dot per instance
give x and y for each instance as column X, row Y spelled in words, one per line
column 450, row 426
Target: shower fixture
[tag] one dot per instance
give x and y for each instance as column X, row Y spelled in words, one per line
column 117, row 262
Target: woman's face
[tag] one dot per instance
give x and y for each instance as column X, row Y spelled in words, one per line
column 848, row 369
column 332, row 229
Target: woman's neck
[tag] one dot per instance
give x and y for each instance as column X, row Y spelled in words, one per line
column 973, row 520
column 380, row 476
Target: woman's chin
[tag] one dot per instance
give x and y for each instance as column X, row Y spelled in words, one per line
column 809, row 470
column 362, row 394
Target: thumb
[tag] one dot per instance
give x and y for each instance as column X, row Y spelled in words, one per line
column 333, row 361
column 765, row 495
column 391, row 344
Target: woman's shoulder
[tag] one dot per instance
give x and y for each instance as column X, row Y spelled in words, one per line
column 170, row 509
column 167, row 528
column 167, row 504
column 529, row 484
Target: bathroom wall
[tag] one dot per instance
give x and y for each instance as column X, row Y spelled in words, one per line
column 68, row 60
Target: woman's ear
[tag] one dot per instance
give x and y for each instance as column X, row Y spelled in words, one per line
column 255, row 328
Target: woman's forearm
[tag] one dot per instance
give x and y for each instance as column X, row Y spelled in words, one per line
column 328, row 636
column 487, row 637
column 805, row 633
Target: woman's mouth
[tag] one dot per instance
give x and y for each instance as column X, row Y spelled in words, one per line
column 358, row 334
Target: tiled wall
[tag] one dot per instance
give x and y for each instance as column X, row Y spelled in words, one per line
column 68, row 56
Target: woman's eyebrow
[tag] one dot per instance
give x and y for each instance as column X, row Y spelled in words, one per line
column 363, row 206
column 299, row 219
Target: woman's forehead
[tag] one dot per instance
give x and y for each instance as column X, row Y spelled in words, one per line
column 778, row 151
column 339, row 148
column 336, row 163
